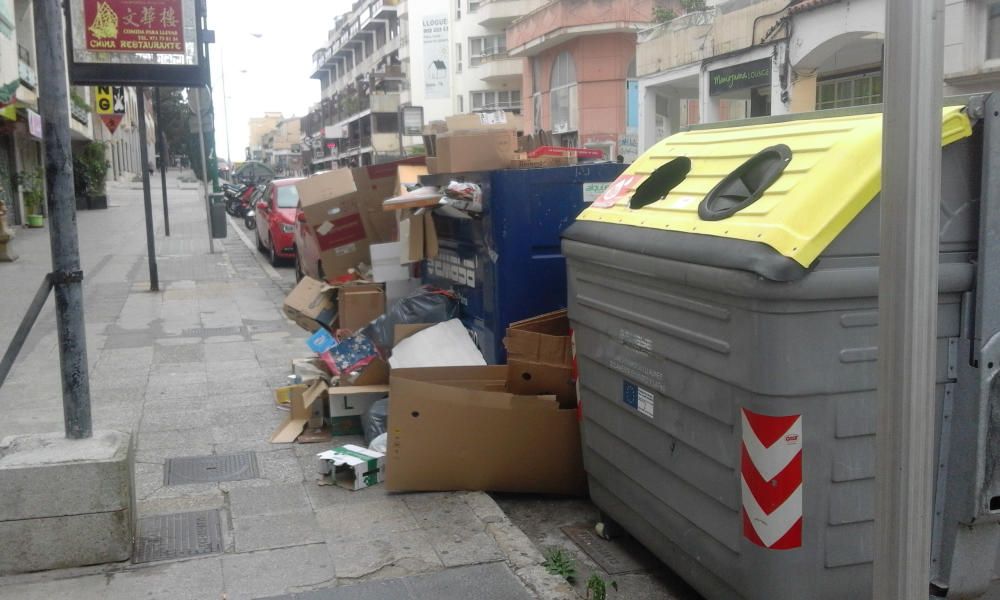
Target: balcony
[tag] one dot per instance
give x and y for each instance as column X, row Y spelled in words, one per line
column 385, row 103
column 498, row 14
column 560, row 21
column 353, row 29
column 497, row 67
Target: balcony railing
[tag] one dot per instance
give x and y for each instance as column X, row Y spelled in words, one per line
column 80, row 114
column 26, row 73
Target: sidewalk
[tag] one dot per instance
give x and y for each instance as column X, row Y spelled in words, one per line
column 190, row 371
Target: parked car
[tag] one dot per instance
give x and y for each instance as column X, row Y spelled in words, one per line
column 276, row 209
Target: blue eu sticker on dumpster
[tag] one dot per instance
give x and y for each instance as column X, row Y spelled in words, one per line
column 638, row 398
column 321, row 341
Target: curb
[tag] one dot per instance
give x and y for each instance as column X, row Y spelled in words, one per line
column 253, row 250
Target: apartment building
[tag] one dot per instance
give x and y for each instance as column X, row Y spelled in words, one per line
column 259, row 127
column 487, row 77
column 282, row 147
column 742, row 59
column 20, row 123
column 578, row 70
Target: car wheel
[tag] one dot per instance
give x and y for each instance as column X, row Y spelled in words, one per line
column 260, row 244
column 298, row 267
column 272, row 255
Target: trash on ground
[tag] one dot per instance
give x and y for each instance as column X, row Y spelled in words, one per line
column 379, row 443
column 446, row 344
column 352, row 467
column 540, row 357
column 376, row 419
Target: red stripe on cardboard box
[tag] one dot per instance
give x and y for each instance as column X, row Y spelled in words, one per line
column 345, row 230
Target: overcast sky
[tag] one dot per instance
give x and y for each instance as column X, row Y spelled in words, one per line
column 269, row 72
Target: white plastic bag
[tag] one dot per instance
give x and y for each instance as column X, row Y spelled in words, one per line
column 379, row 443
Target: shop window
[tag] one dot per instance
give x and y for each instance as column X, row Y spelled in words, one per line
column 562, row 94
column 482, row 49
column 993, row 31
column 854, row 90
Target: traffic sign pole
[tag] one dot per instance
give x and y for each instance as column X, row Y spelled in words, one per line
column 162, row 145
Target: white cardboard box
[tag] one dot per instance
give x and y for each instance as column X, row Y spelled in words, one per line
column 351, row 405
column 385, row 263
column 353, row 467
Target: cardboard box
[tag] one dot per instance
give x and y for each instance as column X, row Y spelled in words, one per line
column 485, row 121
column 303, row 399
column 543, row 339
column 417, row 236
column 311, row 305
column 387, row 264
column 353, row 467
column 458, row 428
column 482, row 150
column 344, row 208
column 540, row 357
column 358, row 305
column 347, row 409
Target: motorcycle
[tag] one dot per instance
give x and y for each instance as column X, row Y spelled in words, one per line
column 234, row 198
column 250, row 218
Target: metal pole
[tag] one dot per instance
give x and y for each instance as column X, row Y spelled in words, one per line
column 154, row 277
column 911, row 187
column 204, row 167
column 67, row 277
column 161, row 141
column 225, row 102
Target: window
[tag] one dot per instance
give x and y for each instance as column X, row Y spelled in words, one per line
column 474, row 5
column 288, row 196
column 563, row 93
column 480, row 48
column 458, row 58
column 458, row 10
column 461, row 104
column 536, row 89
column 486, row 100
column 993, row 31
column 854, row 90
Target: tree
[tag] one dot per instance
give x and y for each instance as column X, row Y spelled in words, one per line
column 173, row 125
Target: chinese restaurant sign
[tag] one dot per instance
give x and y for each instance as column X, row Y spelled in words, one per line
column 134, row 26
column 138, row 42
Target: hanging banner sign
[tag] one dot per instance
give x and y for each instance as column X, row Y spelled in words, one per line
column 111, row 122
column 436, row 58
column 34, row 123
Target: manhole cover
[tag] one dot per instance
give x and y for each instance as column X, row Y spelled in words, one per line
column 207, row 469
column 614, row 557
column 166, row 537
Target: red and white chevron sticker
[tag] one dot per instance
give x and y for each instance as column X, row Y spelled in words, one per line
column 771, row 480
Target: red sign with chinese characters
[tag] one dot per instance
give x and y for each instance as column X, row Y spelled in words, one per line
column 140, row 26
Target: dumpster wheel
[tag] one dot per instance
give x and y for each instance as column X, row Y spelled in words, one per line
column 607, row 528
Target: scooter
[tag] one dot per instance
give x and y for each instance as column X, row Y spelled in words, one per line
column 250, row 218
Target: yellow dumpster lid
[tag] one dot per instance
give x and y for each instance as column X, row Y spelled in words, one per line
column 834, row 171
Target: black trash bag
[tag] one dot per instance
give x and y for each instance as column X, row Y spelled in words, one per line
column 376, row 419
column 425, row 305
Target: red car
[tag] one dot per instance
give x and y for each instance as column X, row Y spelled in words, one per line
column 276, row 219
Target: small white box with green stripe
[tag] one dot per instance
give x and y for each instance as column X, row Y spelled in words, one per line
column 352, row 467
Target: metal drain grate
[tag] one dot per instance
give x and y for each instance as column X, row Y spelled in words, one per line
column 208, row 469
column 180, row 535
column 614, row 556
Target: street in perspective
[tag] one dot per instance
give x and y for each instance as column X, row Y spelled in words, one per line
column 500, row 299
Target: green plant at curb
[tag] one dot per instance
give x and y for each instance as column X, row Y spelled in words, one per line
column 558, row 562
column 599, row 587
column 33, row 188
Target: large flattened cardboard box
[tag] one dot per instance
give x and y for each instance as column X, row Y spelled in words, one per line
column 458, row 428
column 540, row 357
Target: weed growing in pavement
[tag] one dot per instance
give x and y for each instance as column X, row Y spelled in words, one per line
column 559, row 562
column 599, row 587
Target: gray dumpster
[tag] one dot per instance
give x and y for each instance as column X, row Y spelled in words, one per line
column 724, row 299
column 217, row 215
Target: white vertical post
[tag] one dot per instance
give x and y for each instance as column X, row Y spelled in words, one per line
column 911, row 187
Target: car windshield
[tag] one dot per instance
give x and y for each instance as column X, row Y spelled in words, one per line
column 288, row 196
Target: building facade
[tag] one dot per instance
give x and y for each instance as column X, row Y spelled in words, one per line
column 259, row 127
column 486, row 76
column 282, row 147
column 20, row 123
column 578, row 70
column 742, row 59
